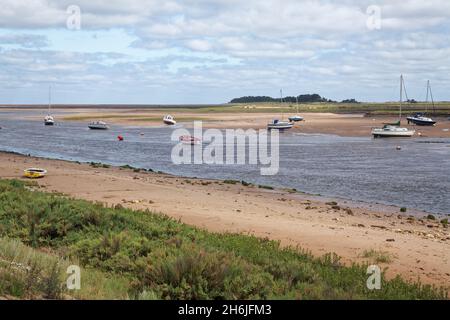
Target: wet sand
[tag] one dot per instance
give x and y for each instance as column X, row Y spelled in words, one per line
column 352, row 125
column 418, row 248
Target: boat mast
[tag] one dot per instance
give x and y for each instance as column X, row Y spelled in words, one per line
column 431, row 95
column 296, row 99
column 401, row 96
column 49, row 98
column 281, row 101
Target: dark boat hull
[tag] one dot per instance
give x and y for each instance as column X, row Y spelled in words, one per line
column 421, row 122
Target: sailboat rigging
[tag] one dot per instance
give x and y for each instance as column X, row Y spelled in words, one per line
column 394, row 129
column 277, row 124
column 419, row 118
column 49, row 120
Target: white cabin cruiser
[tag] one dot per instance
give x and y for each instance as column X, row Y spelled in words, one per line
column 169, row 120
column 98, row 125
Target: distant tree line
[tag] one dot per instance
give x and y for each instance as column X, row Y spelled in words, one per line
column 304, row 98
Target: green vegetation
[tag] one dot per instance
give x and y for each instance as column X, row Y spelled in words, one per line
column 305, row 98
column 444, row 222
column 378, row 256
column 266, row 187
column 431, row 217
column 99, row 165
column 206, row 112
column 142, row 255
column 230, row 181
column 403, row 209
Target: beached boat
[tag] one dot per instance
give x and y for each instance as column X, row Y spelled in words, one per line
column 49, row 120
column 169, row 120
column 190, row 140
column 296, row 118
column 394, row 129
column 277, row 124
column 419, row 118
column 98, row 125
column 35, row 173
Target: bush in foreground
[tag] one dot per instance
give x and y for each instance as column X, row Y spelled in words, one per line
column 139, row 254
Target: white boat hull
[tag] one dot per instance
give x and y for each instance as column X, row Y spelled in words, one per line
column 280, row 126
column 380, row 133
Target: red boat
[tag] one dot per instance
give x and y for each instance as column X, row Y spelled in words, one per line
column 190, row 140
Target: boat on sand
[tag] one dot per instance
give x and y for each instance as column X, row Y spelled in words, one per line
column 394, row 129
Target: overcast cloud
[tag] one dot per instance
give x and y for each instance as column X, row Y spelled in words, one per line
column 200, row 51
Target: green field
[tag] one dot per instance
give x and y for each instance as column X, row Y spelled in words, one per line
column 127, row 254
column 441, row 108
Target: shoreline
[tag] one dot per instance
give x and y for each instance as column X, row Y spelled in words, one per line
column 384, row 208
column 418, row 247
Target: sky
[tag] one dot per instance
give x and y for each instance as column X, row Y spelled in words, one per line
column 201, row 51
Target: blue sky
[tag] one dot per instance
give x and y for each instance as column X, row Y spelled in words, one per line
column 200, row 51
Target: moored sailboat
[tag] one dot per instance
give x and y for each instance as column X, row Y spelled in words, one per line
column 277, row 124
column 394, row 130
column 49, row 120
column 296, row 118
column 419, row 118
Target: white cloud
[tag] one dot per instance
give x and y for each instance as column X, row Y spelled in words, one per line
column 244, row 45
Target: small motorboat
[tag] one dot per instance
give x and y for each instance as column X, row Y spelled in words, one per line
column 49, row 120
column 35, row 173
column 169, row 120
column 392, row 131
column 98, row 125
column 420, row 120
column 190, row 140
column 296, row 118
column 279, row 125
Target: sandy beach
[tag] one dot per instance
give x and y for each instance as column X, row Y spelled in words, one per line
column 417, row 248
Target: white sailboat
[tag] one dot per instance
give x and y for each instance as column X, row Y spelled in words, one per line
column 49, row 120
column 394, row 130
column 277, row 124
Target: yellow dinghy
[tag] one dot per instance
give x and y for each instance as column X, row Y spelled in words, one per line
column 35, row 173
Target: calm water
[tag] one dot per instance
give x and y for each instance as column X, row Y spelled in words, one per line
column 362, row 169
